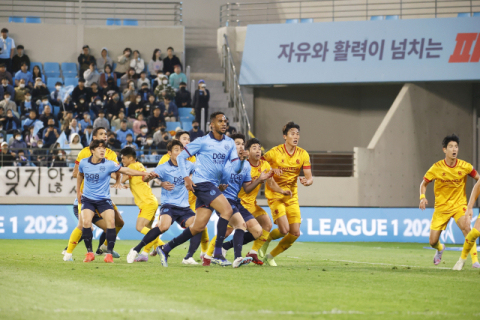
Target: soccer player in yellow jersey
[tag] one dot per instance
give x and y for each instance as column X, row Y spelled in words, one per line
column 143, row 196
column 98, row 134
column 289, row 159
column 450, row 175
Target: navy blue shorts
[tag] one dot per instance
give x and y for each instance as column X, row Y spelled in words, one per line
column 95, row 219
column 178, row 214
column 205, row 192
column 99, row 205
column 238, row 207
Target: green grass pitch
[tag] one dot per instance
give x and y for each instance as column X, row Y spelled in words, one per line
column 313, row 281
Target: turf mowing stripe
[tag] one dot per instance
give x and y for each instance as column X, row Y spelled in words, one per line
column 386, row 264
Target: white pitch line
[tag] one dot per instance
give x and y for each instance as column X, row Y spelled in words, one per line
column 386, row 264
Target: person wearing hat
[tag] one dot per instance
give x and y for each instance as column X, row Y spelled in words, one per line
column 4, row 74
column 183, row 98
column 84, row 61
column 20, row 58
column 101, row 121
column 200, row 101
column 6, row 158
column 7, row 46
column 177, row 77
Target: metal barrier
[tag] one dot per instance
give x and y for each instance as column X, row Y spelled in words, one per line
column 94, row 12
column 242, row 14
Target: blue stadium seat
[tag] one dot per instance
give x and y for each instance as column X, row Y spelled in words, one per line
column 50, row 88
column 69, row 69
column 9, row 136
column 171, row 126
column 463, row 14
column 33, row 64
column 118, row 83
column 56, row 110
column 184, row 112
column 33, row 20
column 130, row 22
column 476, row 14
column 52, row 69
column 291, row 21
column 188, row 118
column 373, row 18
column 16, row 19
column 306, row 20
column 114, row 22
column 114, row 66
column 71, row 82
column 391, row 18
column 52, row 80
column 187, row 126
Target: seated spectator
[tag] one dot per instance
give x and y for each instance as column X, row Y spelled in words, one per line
column 169, row 109
column 37, row 73
column 158, row 135
column 200, row 100
column 101, row 121
column 84, row 61
column 104, row 60
column 195, row 132
column 145, row 92
column 39, row 155
column 230, row 130
column 24, row 74
column 170, row 61
column 27, row 106
column 20, row 92
column 39, row 90
column 130, row 142
column 123, row 63
column 112, row 142
column 126, row 78
column 95, row 91
column 85, row 122
column 143, row 80
column 114, row 106
column 47, row 114
column 8, row 104
column 58, row 159
column 151, row 104
column 130, row 92
column 6, row 88
column 116, row 124
column 158, row 80
column 123, row 131
column 183, row 98
column 4, row 74
column 50, row 134
column 107, row 74
column 66, row 118
column 69, row 128
column 111, row 88
column 162, row 145
column 164, row 89
column 43, row 103
column 75, row 146
column 19, row 59
column 155, row 120
column 21, row 160
column 87, row 136
column 18, row 143
column 141, row 138
column 56, row 95
column 30, row 121
column 139, row 124
column 177, row 77
column 137, row 64
column 137, row 107
column 156, row 64
column 6, row 158
column 149, row 148
column 81, row 90
column 31, row 139
column 96, row 105
column 91, row 75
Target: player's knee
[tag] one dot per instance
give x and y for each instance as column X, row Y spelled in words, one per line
column 295, row 233
column 433, row 243
column 139, row 228
column 256, row 231
column 120, row 223
column 227, row 213
column 284, row 230
column 267, row 226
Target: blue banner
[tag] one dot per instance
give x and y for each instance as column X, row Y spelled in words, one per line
column 319, row 224
column 362, row 51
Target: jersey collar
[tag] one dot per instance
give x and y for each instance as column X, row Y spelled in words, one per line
column 259, row 163
column 456, row 161
column 213, row 137
column 171, row 163
column 90, row 161
column 285, row 147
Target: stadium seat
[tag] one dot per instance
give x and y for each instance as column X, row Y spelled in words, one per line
column 114, row 66
column 52, row 80
column 463, row 14
column 56, row 110
column 9, row 136
column 118, row 83
column 291, row 21
column 50, row 88
column 306, row 20
column 187, row 126
column 184, row 112
column 16, row 19
column 476, row 14
column 188, row 118
column 171, row 126
column 71, row 82
column 69, row 69
column 376, row 18
column 130, row 22
column 33, row 20
column 52, row 69
column 114, row 22
column 33, row 64
column 391, row 18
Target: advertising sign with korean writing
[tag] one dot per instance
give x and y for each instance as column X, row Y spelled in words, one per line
column 442, row 49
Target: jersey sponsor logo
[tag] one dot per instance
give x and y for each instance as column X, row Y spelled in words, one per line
column 291, row 169
column 92, row 177
column 454, row 180
column 236, row 177
column 102, row 169
column 178, row 181
column 212, row 192
column 218, row 158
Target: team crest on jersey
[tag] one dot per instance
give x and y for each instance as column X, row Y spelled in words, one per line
column 212, row 192
column 460, row 173
column 226, row 147
column 102, row 169
column 298, row 161
column 443, row 174
column 165, row 210
column 283, row 161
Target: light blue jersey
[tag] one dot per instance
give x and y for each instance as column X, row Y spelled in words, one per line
column 212, row 156
column 171, row 173
column 234, row 180
column 97, row 178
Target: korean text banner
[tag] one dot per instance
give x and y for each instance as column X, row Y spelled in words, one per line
column 362, row 51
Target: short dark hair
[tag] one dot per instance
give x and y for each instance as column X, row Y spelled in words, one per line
column 23, row 64
column 251, row 142
column 97, row 143
column 195, row 121
column 450, row 138
column 20, row 47
column 143, row 125
column 215, row 114
column 95, row 131
column 238, row 136
column 170, row 48
column 174, row 143
column 129, row 152
column 127, row 49
column 58, row 83
column 290, row 125
column 129, row 135
column 181, row 133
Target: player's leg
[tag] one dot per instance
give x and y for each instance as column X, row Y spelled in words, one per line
column 194, row 242
column 109, row 216
column 469, row 245
column 224, row 210
column 75, row 212
column 277, row 208
column 75, row 236
column 103, row 242
column 192, row 199
column 238, row 222
column 87, row 216
column 264, row 220
column 438, row 224
column 207, row 258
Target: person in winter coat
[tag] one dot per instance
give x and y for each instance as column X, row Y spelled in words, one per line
column 91, row 75
column 123, row 62
column 200, row 100
column 137, row 63
column 103, row 60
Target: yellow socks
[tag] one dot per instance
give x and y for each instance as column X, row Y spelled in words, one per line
column 274, row 235
column 211, row 247
column 438, row 246
column 284, row 244
column 205, row 239
column 468, row 245
column 257, row 244
column 75, row 236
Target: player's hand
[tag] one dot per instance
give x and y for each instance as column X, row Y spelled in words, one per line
column 265, row 175
column 223, row 187
column 304, row 181
column 277, row 172
column 119, row 186
column 287, row 193
column 189, row 184
column 152, row 175
column 243, row 155
column 423, row 203
column 468, row 217
column 167, row 185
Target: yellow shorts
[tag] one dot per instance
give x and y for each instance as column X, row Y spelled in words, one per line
column 148, row 211
column 255, row 210
column 441, row 219
column 192, row 199
column 286, row 206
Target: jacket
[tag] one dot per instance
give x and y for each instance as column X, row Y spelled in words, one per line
column 200, row 100
column 168, row 64
column 101, row 62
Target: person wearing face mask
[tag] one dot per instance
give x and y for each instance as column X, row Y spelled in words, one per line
column 162, row 145
column 91, row 75
column 158, row 80
column 19, row 59
column 183, row 97
column 26, row 106
column 138, row 124
column 31, row 139
column 56, row 95
column 164, row 89
column 149, row 148
column 18, row 143
column 39, row 91
column 5, row 87
column 113, row 143
column 8, row 104
column 141, row 139
column 24, row 74
column 96, row 105
column 81, row 106
column 145, row 92
column 130, row 142
column 200, row 100
column 43, row 103
column 114, row 106
column 195, row 132
column 20, row 92
column 58, row 160
column 39, row 154
column 101, row 121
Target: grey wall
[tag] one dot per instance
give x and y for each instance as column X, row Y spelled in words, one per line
column 332, row 118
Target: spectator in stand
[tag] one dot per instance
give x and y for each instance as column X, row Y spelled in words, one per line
column 145, row 92
column 81, row 90
column 169, row 109
column 130, row 142
column 30, row 138
column 116, row 124
column 37, row 73
column 65, row 118
column 24, row 74
column 101, row 121
column 149, row 148
column 85, row 122
column 137, row 64
column 155, row 120
column 183, row 98
column 20, row 92
column 8, row 104
column 75, row 146
column 56, row 95
column 126, row 78
column 39, row 155
column 158, row 135
column 200, row 100
column 123, row 131
column 4, row 74
column 123, row 63
column 21, row 160
column 46, row 115
column 230, row 130
column 104, row 60
column 91, row 75
column 19, row 59
column 170, row 61
column 81, row 106
column 164, row 89
column 114, row 106
column 8, row 46
column 156, row 64
column 111, row 88
column 27, row 105
column 43, row 103
column 195, row 132
column 158, row 79
column 95, row 92
column 141, row 138
column 18, row 143
column 6, row 158
column 143, row 80
column 11, row 123
column 84, row 61
column 112, row 142
column 138, row 107
column 5, row 87
column 130, row 92
column 58, row 159
column 138, row 124
column 162, row 145
column 30, row 121
column 176, row 78
column 50, row 134
column 107, row 74
column 151, row 104
column 39, row 91
column 69, row 128
column 87, row 136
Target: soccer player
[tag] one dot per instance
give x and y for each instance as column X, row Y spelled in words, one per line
column 98, row 134
column 450, row 175
column 213, row 151
column 184, row 138
column 289, row 159
column 95, row 197
column 143, row 196
column 175, row 206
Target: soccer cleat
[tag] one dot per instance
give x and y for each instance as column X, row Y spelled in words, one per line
column 64, row 251
column 476, row 265
column 224, row 252
column 240, row 261
column 221, row 261
column 104, row 249
column 189, row 261
column 99, row 252
column 108, row 258
column 89, row 257
column 262, row 252
column 142, row 258
column 459, row 265
column 438, row 256
column 206, row 261
column 202, row 254
column 67, row 257
column 132, row 255
column 269, row 261
column 255, row 258
column 154, row 252
column 163, row 256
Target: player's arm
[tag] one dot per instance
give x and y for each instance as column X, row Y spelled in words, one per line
column 136, row 173
column 471, row 203
column 75, row 171
column 272, row 184
column 79, row 185
column 125, row 178
column 423, row 189
column 118, row 181
column 307, row 180
column 251, row 185
column 237, row 160
column 193, row 149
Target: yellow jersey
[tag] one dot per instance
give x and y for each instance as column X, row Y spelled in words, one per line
column 250, row 199
column 166, row 157
column 86, row 153
column 142, row 193
column 450, row 184
column 290, row 164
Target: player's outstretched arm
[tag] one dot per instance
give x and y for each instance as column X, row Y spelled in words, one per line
column 471, row 203
column 307, row 180
column 75, row 171
column 423, row 189
column 136, row 173
column 79, row 186
column 272, row 184
column 118, row 181
column 250, row 186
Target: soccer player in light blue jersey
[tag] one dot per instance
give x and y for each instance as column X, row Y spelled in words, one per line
column 96, row 171
column 175, row 206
